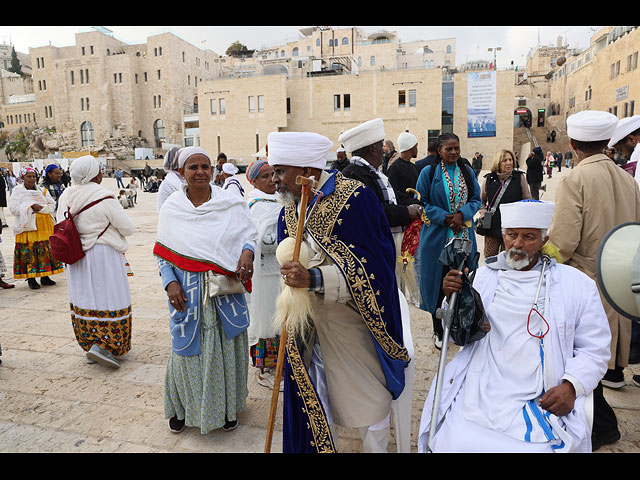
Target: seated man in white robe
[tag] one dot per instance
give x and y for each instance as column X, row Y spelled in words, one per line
column 522, row 388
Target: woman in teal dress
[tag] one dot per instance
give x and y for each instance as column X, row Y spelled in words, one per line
column 204, row 246
column 451, row 197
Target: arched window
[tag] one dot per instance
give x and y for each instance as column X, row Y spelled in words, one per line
column 158, row 132
column 294, row 52
column 331, row 42
column 448, row 48
column 86, row 134
column 317, row 42
column 345, row 41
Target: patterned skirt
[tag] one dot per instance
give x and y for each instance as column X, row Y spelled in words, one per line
column 32, row 255
column 204, row 389
column 100, row 300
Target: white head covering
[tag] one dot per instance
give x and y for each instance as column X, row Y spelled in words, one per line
column 84, row 169
column 624, row 128
column 406, row 141
column 229, row 168
column 298, row 149
column 591, row 125
column 527, row 214
column 187, row 152
column 363, row 135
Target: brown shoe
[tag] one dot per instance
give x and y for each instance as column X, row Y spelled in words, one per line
column 4, row 284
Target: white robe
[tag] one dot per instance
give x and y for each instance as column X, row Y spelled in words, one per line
column 265, row 209
column 576, row 349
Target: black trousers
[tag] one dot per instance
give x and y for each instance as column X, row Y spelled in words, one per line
column 604, row 418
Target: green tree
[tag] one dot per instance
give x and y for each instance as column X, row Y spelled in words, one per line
column 15, row 63
column 237, row 49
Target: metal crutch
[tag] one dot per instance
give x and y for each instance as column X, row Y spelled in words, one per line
column 460, row 245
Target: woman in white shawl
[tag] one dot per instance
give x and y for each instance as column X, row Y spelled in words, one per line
column 205, row 244
column 173, row 180
column 32, row 208
column 99, row 295
column 264, row 205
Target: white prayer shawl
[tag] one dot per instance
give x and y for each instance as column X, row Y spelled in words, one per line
column 578, row 340
column 93, row 221
column 214, row 232
column 265, row 209
column 635, row 157
column 20, row 204
column 172, row 182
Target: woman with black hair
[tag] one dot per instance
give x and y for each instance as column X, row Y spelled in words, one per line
column 451, row 197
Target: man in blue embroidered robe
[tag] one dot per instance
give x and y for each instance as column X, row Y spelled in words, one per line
column 351, row 366
column 525, row 386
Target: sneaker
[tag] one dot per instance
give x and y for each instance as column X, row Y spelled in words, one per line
column 267, row 379
column 437, row 341
column 175, row 425
column 614, row 378
column 230, row 425
column 636, row 380
column 103, row 357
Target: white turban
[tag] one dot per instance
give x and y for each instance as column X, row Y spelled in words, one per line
column 591, row 125
column 187, row 152
column 229, row 168
column 298, row 149
column 363, row 135
column 406, row 141
column 84, row 169
column 625, row 127
column 527, row 214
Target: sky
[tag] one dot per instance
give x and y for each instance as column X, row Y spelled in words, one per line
column 472, row 42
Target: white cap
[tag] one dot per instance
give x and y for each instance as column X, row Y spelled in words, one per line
column 406, row 141
column 298, row 149
column 229, row 168
column 591, row 125
column 625, row 127
column 527, row 214
column 363, row 135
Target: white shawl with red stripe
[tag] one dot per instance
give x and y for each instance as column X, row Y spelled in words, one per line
column 209, row 237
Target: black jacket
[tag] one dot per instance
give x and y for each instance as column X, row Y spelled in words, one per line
column 397, row 215
column 534, row 169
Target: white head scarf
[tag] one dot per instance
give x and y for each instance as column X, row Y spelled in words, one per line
column 187, row 152
column 84, row 169
column 298, row 149
column 229, row 168
column 625, row 126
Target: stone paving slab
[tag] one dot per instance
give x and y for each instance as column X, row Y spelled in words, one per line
column 52, row 401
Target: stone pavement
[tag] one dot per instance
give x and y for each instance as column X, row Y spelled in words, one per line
column 52, row 401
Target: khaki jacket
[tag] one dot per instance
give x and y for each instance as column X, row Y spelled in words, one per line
column 593, row 198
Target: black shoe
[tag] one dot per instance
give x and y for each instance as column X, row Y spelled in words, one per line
column 598, row 441
column 614, row 378
column 33, row 284
column 228, row 426
column 46, row 281
column 175, row 425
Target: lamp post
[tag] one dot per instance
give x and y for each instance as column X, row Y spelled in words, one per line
column 494, row 49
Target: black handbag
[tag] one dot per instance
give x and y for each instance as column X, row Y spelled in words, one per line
column 483, row 225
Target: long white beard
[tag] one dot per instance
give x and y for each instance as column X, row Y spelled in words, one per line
column 517, row 264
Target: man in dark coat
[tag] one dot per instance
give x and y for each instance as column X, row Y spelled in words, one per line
column 534, row 172
column 366, row 157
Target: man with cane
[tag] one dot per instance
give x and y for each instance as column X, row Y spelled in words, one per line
column 526, row 386
column 345, row 360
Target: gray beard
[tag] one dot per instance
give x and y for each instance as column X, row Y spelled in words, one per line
column 286, row 197
column 517, row 264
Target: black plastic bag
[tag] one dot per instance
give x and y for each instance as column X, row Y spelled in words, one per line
column 469, row 314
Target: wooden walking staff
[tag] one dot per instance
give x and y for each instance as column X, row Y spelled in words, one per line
column 307, row 184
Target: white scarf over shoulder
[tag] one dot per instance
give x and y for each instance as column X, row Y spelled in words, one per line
column 214, row 232
column 20, row 204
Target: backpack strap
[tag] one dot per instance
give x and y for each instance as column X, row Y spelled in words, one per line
column 70, row 216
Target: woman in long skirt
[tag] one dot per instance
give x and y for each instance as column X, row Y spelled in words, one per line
column 32, row 208
column 99, row 295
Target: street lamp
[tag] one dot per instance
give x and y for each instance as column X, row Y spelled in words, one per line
column 494, row 49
